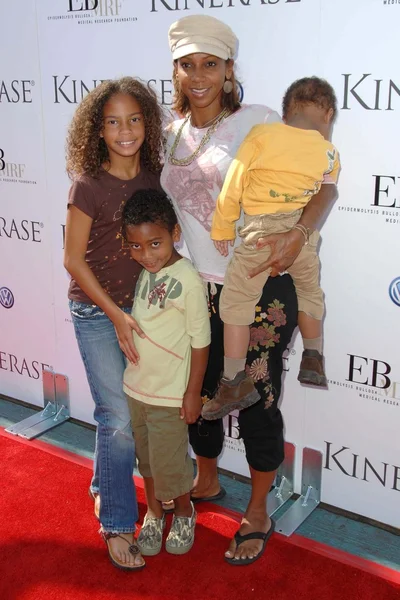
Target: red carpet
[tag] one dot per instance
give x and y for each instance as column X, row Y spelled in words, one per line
column 50, row 549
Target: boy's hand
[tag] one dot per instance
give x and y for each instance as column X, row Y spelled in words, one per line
column 191, row 407
column 222, row 246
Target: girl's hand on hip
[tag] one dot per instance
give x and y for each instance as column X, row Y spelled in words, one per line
column 191, row 407
column 285, row 248
column 124, row 324
column 222, row 246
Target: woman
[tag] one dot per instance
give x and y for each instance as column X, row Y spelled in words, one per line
column 199, row 150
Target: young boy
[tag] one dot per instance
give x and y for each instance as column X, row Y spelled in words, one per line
column 164, row 387
column 278, row 169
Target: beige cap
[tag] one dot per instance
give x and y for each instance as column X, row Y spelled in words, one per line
column 201, row 33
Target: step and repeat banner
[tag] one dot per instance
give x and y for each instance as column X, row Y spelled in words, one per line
column 55, row 51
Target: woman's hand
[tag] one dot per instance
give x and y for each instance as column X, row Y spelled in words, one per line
column 191, row 407
column 285, row 248
column 124, row 324
column 222, row 246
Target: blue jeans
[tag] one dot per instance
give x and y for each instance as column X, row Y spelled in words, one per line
column 115, row 449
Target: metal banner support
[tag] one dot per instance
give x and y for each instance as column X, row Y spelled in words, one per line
column 310, row 494
column 56, row 408
column 284, row 482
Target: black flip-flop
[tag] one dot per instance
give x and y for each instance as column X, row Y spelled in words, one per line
column 221, row 494
column 256, row 535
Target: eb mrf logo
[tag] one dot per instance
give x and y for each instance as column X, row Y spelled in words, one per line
column 79, row 5
column 394, row 291
column 100, row 6
column 372, row 381
column 6, row 297
column 369, row 371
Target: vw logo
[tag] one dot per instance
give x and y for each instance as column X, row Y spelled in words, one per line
column 6, row 297
column 394, row 291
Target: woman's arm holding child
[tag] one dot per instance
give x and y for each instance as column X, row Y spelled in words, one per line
column 285, row 247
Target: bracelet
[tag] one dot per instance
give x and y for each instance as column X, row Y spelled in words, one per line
column 305, row 231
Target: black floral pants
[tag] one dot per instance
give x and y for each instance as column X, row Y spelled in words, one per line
column 260, row 425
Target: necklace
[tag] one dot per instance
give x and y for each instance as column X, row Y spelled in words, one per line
column 184, row 162
column 208, row 123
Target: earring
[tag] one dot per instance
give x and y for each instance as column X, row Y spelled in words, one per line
column 228, row 86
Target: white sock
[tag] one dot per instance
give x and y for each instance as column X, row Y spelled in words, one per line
column 313, row 344
column 233, row 366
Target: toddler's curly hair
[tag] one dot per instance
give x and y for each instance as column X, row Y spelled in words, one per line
column 309, row 90
column 149, row 206
column 87, row 151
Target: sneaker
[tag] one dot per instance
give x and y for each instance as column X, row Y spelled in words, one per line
column 232, row 394
column 312, row 369
column 150, row 536
column 181, row 535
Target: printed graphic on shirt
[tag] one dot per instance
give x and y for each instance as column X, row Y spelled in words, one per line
column 195, row 190
column 157, row 291
column 331, row 154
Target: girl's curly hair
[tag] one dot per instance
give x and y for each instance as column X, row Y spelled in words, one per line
column 181, row 103
column 87, row 151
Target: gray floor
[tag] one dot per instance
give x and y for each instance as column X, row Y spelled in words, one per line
column 336, row 530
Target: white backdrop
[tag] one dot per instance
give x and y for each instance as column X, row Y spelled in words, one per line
column 58, row 49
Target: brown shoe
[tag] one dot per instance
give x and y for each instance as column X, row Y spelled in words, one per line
column 232, row 394
column 312, row 369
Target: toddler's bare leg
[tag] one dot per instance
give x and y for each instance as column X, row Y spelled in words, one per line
column 236, row 344
column 311, row 331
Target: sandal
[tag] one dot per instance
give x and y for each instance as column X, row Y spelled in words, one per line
column 133, row 549
column 221, row 494
column 256, row 535
column 95, row 496
column 169, row 506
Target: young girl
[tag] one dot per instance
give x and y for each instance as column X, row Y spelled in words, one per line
column 113, row 150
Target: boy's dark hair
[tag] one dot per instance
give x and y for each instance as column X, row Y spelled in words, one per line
column 149, row 206
column 309, row 90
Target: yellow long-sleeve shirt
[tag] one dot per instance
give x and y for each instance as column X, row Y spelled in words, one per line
column 278, row 168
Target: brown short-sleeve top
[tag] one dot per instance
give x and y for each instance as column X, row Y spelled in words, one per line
column 102, row 198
